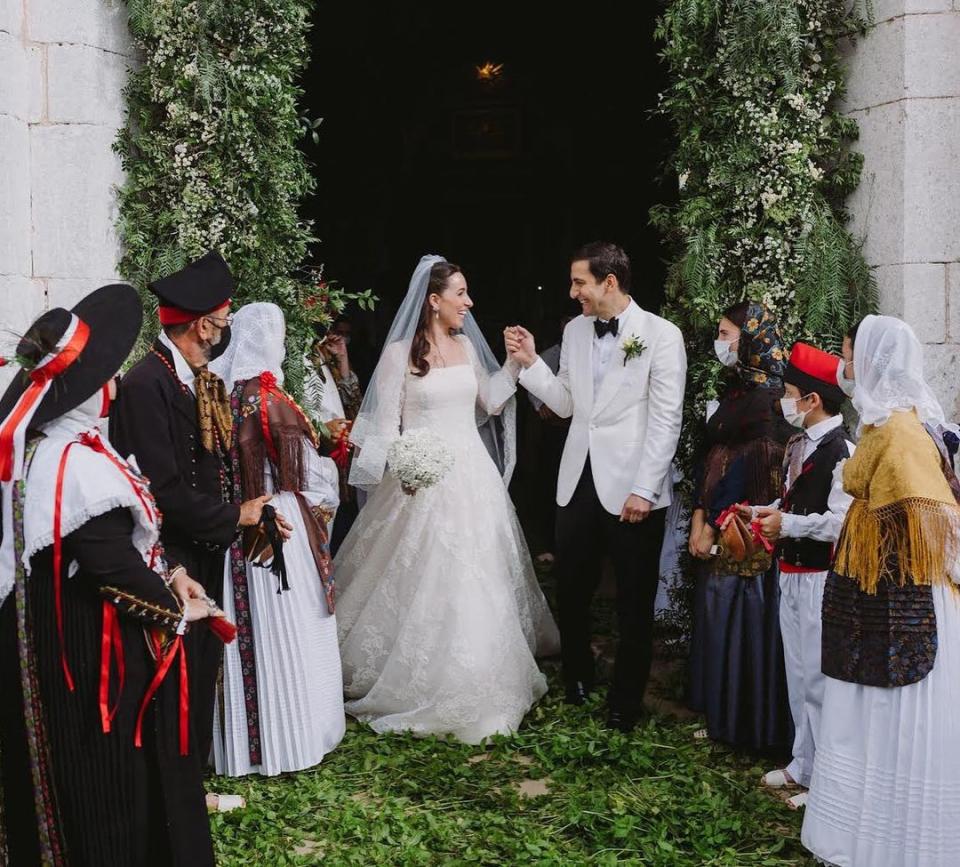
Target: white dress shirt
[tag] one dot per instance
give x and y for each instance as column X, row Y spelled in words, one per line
column 184, row 371
column 823, row 527
column 602, row 350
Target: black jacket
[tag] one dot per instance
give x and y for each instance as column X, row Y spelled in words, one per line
column 155, row 419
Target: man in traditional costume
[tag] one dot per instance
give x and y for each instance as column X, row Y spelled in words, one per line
column 174, row 416
column 885, row 790
column 94, row 747
column 805, row 523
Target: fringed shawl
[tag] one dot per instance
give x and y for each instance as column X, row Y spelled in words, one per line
column 904, row 522
column 276, row 434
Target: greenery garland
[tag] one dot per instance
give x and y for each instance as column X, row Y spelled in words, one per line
column 763, row 165
column 212, row 153
column 212, row 156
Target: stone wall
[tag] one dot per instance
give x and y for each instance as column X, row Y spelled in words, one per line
column 63, row 64
column 904, row 91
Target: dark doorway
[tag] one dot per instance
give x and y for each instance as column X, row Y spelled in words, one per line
column 494, row 135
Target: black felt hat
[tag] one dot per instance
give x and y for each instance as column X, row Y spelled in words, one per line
column 113, row 314
column 201, row 287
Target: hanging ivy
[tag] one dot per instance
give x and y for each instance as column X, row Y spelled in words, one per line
column 763, row 162
column 212, row 153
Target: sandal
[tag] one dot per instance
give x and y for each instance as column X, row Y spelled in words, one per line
column 797, row 801
column 778, row 779
column 224, row 803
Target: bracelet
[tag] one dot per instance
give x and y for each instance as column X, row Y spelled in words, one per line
column 168, row 578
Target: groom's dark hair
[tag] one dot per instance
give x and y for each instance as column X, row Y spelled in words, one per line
column 604, row 258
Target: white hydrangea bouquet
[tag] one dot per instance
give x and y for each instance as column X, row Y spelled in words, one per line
column 419, row 459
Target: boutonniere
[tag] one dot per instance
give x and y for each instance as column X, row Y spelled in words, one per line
column 633, row 347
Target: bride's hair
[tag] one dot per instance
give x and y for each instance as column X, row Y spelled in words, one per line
column 420, row 347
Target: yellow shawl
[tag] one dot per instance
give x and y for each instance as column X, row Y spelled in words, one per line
column 904, row 522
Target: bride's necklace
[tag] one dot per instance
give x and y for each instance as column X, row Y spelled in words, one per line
column 436, row 349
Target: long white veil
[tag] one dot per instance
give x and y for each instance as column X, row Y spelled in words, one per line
column 378, row 423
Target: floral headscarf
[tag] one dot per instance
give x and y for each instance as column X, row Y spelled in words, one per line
column 762, row 360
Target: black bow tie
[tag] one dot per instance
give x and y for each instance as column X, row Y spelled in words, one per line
column 609, row 327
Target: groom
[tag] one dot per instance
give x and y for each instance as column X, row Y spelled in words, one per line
column 622, row 376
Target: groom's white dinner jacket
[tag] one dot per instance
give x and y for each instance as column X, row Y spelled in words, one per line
column 631, row 426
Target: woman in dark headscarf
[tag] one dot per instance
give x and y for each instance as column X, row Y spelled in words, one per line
column 737, row 677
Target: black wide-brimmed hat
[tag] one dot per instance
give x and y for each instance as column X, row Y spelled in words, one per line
column 201, row 287
column 112, row 316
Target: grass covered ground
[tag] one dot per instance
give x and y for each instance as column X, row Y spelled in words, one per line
column 562, row 791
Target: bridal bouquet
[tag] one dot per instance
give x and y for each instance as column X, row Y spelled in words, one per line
column 419, row 459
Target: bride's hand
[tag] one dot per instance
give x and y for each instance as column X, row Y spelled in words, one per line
column 521, row 345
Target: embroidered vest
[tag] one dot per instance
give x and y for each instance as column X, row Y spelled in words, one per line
column 809, row 495
column 884, row 639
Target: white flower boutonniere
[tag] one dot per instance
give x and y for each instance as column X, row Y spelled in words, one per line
column 633, row 347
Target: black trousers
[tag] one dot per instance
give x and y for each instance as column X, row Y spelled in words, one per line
column 586, row 534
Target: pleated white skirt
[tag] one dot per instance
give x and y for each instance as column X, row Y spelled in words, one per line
column 886, row 779
column 299, row 678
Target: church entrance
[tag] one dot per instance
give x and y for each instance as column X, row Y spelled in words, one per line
column 502, row 138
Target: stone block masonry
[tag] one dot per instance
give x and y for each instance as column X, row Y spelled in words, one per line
column 63, row 66
column 904, row 91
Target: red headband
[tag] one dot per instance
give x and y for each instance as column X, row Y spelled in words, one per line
column 178, row 316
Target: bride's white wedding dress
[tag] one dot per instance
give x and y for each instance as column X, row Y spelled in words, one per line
column 439, row 612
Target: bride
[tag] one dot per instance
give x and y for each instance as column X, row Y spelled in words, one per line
column 439, row 612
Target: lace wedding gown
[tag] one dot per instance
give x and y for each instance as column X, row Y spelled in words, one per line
column 439, row 612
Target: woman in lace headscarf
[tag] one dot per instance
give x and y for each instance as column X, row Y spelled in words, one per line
column 282, row 706
column 886, row 778
column 737, row 674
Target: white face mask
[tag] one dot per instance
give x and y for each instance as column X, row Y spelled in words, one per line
column 790, row 412
column 847, row 386
column 726, row 354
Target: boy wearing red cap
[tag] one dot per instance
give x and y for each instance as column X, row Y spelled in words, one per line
column 805, row 524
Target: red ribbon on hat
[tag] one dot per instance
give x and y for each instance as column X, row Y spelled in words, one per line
column 170, row 315
column 51, row 366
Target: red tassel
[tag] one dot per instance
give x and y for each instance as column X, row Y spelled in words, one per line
column 341, row 453
column 222, row 628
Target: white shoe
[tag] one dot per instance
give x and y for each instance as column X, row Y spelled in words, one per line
column 224, row 803
column 778, row 779
column 797, row 801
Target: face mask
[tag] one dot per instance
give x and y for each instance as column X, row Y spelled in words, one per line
column 847, row 386
column 790, row 412
column 217, row 349
column 726, row 354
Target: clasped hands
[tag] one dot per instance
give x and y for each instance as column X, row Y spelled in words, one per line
column 520, row 344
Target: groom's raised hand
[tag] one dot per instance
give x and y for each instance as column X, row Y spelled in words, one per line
column 520, row 345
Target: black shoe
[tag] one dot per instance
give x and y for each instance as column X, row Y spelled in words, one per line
column 577, row 693
column 622, row 720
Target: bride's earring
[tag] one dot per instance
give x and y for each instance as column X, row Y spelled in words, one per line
column 436, row 312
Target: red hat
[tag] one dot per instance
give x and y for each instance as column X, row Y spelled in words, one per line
column 813, row 370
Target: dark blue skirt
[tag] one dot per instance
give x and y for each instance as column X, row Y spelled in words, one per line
column 737, row 676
